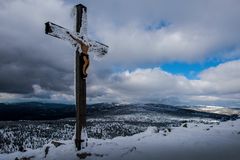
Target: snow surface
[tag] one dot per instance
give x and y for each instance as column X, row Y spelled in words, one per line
column 196, row 141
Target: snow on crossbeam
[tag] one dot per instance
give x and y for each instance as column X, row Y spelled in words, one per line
column 99, row 49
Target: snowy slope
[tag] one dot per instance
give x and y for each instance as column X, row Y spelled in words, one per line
column 196, row 141
column 104, row 121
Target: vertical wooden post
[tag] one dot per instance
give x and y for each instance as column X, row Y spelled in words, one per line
column 80, row 85
column 80, row 82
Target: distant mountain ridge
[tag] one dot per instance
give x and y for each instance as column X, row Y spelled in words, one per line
column 54, row 111
column 35, row 111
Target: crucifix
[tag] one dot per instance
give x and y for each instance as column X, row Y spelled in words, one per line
column 83, row 44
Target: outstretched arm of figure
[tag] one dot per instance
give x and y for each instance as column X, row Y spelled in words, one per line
column 84, row 47
column 76, row 39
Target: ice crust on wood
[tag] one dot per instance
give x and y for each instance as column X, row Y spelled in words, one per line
column 97, row 48
column 83, row 30
column 84, row 137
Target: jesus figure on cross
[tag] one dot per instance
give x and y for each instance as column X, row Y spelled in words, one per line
column 84, row 58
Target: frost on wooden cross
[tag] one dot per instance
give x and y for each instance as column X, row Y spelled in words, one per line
column 97, row 48
column 77, row 38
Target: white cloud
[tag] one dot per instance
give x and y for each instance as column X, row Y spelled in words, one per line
column 49, row 95
column 216, row 85
column 224, row 79
column 5, row 97
column 135, row 46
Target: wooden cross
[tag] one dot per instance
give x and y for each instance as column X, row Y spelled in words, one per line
column 83, row 44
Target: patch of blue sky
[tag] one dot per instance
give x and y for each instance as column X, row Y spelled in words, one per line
column 228, row 53
column 189, row 70
column 158, row 25
column 118, row 69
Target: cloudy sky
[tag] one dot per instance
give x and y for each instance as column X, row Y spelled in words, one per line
column 161, row 51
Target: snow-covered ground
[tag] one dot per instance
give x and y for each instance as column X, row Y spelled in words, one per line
column 192, row 141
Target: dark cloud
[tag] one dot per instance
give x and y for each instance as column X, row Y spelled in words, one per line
column 22, row 67
column 28, row 56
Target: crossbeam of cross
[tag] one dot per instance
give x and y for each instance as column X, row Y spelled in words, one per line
column 79, row 39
